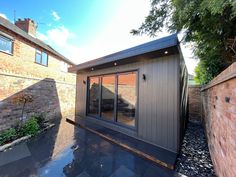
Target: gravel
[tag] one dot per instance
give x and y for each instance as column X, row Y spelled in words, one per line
column 194, row 158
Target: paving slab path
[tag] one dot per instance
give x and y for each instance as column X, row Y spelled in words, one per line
column 66, row 150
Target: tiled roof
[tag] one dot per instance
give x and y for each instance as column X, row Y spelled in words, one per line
column 10, row 26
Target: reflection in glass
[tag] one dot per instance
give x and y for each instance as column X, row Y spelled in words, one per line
column 126, row 98
column 38, row 58
column 108, row 97
column 44, row 58
column 94, row 96
column 5, row 44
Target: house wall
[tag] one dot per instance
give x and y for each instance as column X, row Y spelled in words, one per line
column 158, row 111
column 219, row 116
column 53, row 90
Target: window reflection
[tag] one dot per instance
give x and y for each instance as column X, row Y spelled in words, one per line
column 6, row 44
column 108, row 97
column 126, row 102
column 94, row 96
column 118, row 102
column 41, row 58
column 44, row 58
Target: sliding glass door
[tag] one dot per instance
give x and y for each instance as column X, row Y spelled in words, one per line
column 126, row 103
column 94, row 96
column 113, row 97
column 108, row 97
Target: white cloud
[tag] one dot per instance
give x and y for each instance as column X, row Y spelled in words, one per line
column 116, row 36
column 59, row 38
column 3, row 15
column 55, row 16
column 113, row 37
column 42, row 37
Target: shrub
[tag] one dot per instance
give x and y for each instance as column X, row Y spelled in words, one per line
column 39, row 118
column 31, row 127
column 7, row 136
column 22, row 98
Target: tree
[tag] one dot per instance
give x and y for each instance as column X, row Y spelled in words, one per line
column 22, row 98
column 210, row 24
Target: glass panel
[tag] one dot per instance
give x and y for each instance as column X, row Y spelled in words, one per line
column 126, row 103
column 38, row 57
column 44, row 59
column 5, row 45
column 94, row 96
column 108, row 97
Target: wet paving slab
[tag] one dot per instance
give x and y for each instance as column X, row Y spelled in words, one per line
column 162, row 155
column 66, row 150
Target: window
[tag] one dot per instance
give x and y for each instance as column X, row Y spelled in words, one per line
column 113, row 97
column 41, row 58
column 64, row 66
column 6, row 44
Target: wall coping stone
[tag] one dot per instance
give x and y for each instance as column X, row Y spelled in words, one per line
column 194, row 86
column 228, row 74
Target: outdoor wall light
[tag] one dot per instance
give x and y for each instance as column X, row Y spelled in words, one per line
column 166, row 52
column 144, row 77
column 115, row 64
column 84, row 82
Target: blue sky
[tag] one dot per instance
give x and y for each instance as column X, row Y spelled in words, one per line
column 86, row 29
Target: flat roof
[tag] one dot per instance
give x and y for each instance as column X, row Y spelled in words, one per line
column 10, row 26
column 168, row 44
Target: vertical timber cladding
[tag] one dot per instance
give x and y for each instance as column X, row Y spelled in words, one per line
column 158, row 114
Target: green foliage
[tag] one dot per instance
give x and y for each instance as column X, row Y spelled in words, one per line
column 209, row 24
column 40, row 119
column 7, row 136
column 31, row 127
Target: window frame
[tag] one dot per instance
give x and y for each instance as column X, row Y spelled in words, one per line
column 11, row 40
column 37, row 51
column 114, row 121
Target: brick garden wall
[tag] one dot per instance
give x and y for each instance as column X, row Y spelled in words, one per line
column 219, row 113
column 194, row 98
column 53, row 90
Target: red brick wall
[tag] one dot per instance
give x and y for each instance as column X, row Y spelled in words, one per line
column 194, row 103
column 53, row 90
column 219, row 112
column 27, row 25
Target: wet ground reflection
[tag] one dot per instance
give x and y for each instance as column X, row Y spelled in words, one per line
column 81, row 154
